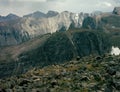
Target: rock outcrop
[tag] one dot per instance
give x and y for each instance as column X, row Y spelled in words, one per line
column 116, row 10
column 10, row 34
column 85, row 75
column 38, row 23
column 37, row 26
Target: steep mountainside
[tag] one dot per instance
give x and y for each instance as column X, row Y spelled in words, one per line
column 111, row 25
column 103, row 21
column 33, row 49
column 11, row 34
column 89, row 23
column 62, row 47
column 50, row 49
column 108, row 23
column 36, row 24
column 9, row 64
column 60, row 52
column 22, row 29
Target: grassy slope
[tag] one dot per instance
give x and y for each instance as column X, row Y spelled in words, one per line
column 57, row 48
column 111, row 24
column 12, row 52
column 63, row 46
column 112, row 20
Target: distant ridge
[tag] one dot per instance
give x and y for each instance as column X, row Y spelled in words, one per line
column 9, row 17
column 15, row 30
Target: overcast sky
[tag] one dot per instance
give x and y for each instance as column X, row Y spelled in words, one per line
column 22, row 7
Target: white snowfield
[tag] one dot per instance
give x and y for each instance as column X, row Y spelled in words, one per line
column 115, row 51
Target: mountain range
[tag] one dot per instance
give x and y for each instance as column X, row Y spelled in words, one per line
column 15, row 30
column 20, row 29
column 38, row 39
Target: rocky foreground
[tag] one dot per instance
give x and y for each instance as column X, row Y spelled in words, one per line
column 87, row 74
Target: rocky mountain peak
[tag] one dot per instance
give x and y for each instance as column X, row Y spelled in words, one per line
column 116, row 10
column 36, row 14
column 12, row 16
column 9, row 17
column 51, row 13
column 65, row 12
column 39, row 23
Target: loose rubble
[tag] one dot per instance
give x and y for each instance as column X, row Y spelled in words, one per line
column 87, row 74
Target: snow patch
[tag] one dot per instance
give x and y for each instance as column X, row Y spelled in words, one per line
column 76, row 17
column 115, row 51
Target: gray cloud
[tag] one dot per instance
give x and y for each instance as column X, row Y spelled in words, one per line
column 51, row 0
column 21, row 7
column 55, row 0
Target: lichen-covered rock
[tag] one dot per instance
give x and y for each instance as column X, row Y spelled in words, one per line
column 66, row 77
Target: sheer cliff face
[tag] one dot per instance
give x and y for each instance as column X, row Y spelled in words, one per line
column 18, row 30
column 11, row 33
column 15, row 30
column 37, row 26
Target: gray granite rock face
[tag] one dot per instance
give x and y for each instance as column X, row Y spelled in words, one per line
column 36, row 26
column 30, row 26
